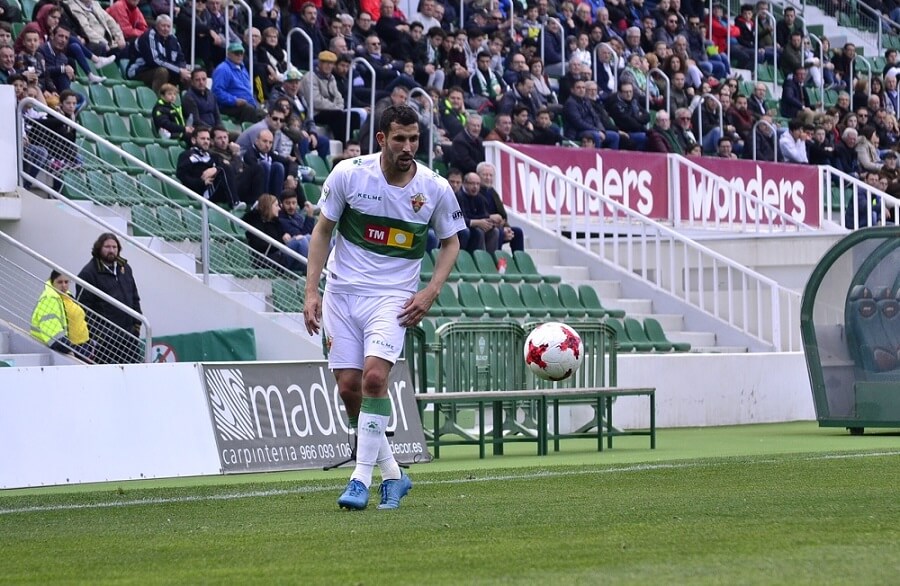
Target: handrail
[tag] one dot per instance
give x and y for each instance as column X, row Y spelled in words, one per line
column 649, row 234
column 193, row 31
column 771, row 19
column 774, row 136
column 822, row 67
column 700, row 115
column 668, row 88
column 834, row 177
column 311, row 98
column 614, row 63
column 878, row 17
column 420, row 91
column 165, row 179
column 360, row 60
column 868, row 71
column 249, row 30
column 85, row 285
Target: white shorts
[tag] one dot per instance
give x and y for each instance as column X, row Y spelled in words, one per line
column 357, row 327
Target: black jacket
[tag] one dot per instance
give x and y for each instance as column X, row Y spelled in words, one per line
column 119, row 285
column 191, row 164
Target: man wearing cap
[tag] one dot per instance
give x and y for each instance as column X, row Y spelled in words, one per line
column 160, row 59
column 328, row 103
column 232, row 88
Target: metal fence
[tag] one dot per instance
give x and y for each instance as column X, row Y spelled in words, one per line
column 135, row 187
column 21, row 289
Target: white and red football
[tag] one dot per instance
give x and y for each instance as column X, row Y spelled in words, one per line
column 553, row 351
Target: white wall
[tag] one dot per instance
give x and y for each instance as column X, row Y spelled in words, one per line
column 75, row 424
column 9, row 153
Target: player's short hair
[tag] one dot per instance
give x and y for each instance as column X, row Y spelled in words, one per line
column 402, row 115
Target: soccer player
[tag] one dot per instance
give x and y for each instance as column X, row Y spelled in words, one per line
column 382, row 205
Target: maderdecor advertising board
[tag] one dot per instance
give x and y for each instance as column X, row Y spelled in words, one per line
column 641, row 182
column 289, row 416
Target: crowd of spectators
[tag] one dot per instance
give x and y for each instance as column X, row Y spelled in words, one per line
column 622, row 74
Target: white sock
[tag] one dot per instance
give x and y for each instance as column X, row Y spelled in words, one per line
column 368, row 445
column 390, row 470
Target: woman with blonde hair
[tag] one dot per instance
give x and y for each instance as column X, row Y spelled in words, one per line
column 59, row 321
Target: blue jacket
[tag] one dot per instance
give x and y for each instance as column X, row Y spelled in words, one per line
column 297, row 224
column 579, row 116
column 202, row 107
column 231, row 81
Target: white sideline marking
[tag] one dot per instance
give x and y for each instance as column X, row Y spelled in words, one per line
column 316, row 489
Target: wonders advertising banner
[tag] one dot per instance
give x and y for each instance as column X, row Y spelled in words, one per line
column 289, row 416
column 642, row 183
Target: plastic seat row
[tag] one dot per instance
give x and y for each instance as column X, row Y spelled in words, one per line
column 631, row 336
column 520, row 301
column 113, row 127
column 481, row 266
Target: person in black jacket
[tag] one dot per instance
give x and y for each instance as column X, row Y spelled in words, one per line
column 265, row 171
column 629, row 115
column 467, row 150
column 159, row 58
column 168, row 117
column 111, row 274
column 204, row 172
column 264, row 217
column 198, row 103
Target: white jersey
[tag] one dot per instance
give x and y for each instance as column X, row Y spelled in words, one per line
column 381, row 228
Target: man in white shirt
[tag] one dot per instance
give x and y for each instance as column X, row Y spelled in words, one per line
column 792, row 144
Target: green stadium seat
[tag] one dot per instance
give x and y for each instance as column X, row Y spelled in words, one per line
column 101, row 99
column 173, row 227
column 569, row 299
column 142, row 132
column 79, row 88
column 193, row 222
column 102, row 189
column 472, row 305
column 92, row 121
column 511, row 299
column 448, row 302
column 529, row 271
column 312, row 192
column 114, row 159
column 623, row 342
column 126, row 101
column 591, row 301
column 511, row 273
column 145, row 98
column 427, row 268
column 75, row 184
column 286, row 296
column 490, row 297
column 551, row 300
column 638, row 336
column 486, row 266
column 465, row 267
column 116, row 129
column 158, row 158
column 531, row 299
column 135, row 150
column 319, row 165
column 114, row 77
column 656, row 335
column 144, row 221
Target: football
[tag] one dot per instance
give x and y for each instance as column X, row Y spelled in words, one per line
column 553, row 351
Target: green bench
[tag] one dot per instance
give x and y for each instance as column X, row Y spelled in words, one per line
column 506, row 402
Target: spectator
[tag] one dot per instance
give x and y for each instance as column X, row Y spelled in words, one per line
column 129, row 18
column 794, row 101
column 168, row 117
column 480, row 232
column 94, row 25
column 9, row 12
column 629, row 115
column 328, row 103
column 867, row 209
column 513, row 235
column 787, row 26
column 844, row 64
column 232, row 88
column 518, row 66
column 582, row 121
column 867, row 150
column 891, row 172
column 229, row 152
column 756, row 103
column 792, row 144
column 199, row 103
column 307, row 23
column 398, row 96
column 683, row 129
column 62, row 151
column 467, row 150
column 455, row 179
column 661, row 138
column 485, row 87
column 58, row 74
column 545, row 95
column 265, row 171
column 59, row 321
column 739, row 118
column 792, row 57
column 204, row 173
column 271, row 52
column 845, row 153
column 545, row 131
column 297, row 223
column 159, row 58
column 264, row 217
column 7, row 64
column 521, row 93
column 725, row 149
column 111, row 274
column 818, row 151
column 351, row 151
column 522, row 131
column 891, row 95
column 453, row 112
column 502, row 127
column 680, row 96
column 30, row 63
column 765, row 139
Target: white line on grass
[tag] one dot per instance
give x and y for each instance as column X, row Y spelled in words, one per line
column 322, row 488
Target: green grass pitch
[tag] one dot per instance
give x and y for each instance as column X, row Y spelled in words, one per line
column 765, row 504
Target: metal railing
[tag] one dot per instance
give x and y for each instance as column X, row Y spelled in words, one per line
column 821, row 73
column 840, row 190
column 246, row 7
column 661, row 73
column 868, row 72
column 663, row 258
column 614, row 63
column 371, row 118
column 771, row 19
column 419, row 91
column 108, row 342
column 160, row 213
column 702, row 105
column 310, row 98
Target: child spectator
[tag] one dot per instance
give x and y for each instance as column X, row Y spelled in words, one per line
column 168, row 117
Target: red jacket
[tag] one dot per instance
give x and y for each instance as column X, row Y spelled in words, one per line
column 721, row 34
column 130, row 20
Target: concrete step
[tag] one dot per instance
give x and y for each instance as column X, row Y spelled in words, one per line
column 670, row 322
column 630, row 306
column 42, row 359
column 605, row 289
column 568, row 273
column 185, row 262
column 696, row 339
column 254, row 301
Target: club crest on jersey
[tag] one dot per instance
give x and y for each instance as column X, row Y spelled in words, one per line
column 324, row 194
column 417, row 201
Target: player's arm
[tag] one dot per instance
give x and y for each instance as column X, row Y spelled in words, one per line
column 315, row 263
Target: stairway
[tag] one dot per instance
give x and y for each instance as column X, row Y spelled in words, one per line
column 18, row 349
